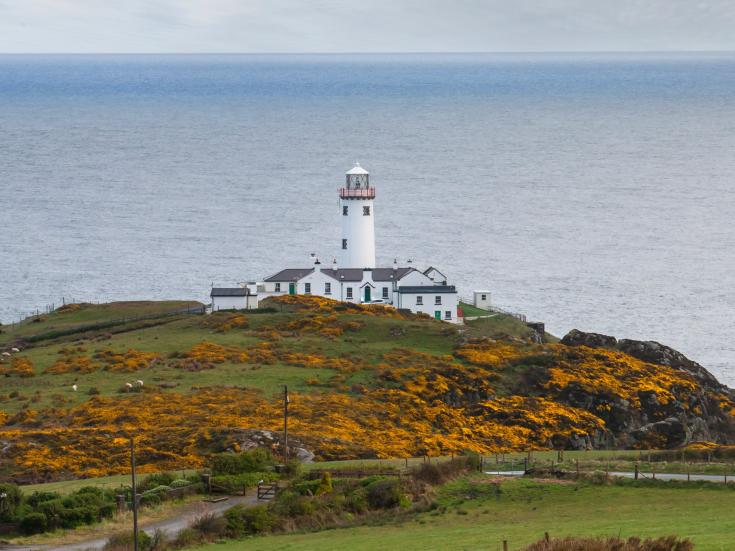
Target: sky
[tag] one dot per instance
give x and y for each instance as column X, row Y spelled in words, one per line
column 181, row 26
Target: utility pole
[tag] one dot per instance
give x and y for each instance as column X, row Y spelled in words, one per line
column 135, row 494
column 285, row 422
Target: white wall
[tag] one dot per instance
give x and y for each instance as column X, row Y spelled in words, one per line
column 228, row 303
column 480, row 302
column 359, row 230
column 414, row 279
column 449, row 303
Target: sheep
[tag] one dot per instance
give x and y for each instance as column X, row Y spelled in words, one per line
column 74, row 387
column 129, row 385
column 15, row 349
column 140, row 383
column 6, row 353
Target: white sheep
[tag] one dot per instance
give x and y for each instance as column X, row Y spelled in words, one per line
column 15, row 349
column 140, row 383
column 6, row 353
column 129, row 385
column 74, row 387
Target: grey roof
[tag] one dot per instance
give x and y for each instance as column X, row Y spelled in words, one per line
column 427, row 289
column 427, row 270
column 379, row 274
column 344, row 274
column 384, row 274
column 290, row 274
column 229, row 292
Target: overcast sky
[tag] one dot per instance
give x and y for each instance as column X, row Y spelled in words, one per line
column 364, row 25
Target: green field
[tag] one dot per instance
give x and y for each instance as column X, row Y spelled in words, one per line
column 168, row 334
column 480, row 515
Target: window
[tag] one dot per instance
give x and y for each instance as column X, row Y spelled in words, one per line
column 419, row 301
column 483, row 297
column 366, row 211
column 327, row 288
column 278, row 287
column 385, row 292
column 307, row 288
column 437, row 300
column 344, row 210
column 349, row 292
column 448, row 315
column 344, row 244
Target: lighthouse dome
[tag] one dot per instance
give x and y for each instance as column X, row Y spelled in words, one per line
column 357, row 169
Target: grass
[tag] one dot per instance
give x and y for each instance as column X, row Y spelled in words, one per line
column 472, row 311
column 68, row 486
column 180, row 333
column 478, row 514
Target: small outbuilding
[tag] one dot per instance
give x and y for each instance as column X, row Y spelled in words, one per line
column 233, row 298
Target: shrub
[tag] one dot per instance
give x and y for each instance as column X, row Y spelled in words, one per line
column 259, row 459
column 238, row 482
column 243, row 521
column 666, row 543
column 33, row 523
column 188, row 537
column 11, row 502
column 124, row 541
column 384, row 494
column 154, row 480
column 181, row 483
column 210, row 525
column 93, row 391
column 325, row 485
column 150, row 499
column 291, row 504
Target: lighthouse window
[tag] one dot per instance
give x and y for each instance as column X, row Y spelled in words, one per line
column 307, row 288
column 344, row 243
column 366, row 211
column 437, row 299
column 344, row 210
column 419, row 301
column 349, row 292
column 385, row 292
column 327, row 288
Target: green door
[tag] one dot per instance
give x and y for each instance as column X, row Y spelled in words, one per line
column 438, row 314
column 367, row 293
column 291, row 288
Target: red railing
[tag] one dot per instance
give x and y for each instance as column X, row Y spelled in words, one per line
column 365, row 193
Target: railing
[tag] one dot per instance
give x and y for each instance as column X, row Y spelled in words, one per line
column 350, row 193
column 496, row 310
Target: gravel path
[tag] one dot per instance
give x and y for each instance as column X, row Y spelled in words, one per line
column 171, row 526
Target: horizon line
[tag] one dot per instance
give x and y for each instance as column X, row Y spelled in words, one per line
column 416, row 52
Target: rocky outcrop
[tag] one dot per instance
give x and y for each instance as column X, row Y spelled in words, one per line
column 697, row 418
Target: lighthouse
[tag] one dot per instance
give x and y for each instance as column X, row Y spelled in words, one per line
column 357, row 212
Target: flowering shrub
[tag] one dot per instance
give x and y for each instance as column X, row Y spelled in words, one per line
column 19, row 367
column 488, row 353
column 611, row 373
column 73, row 360
column 222, row 322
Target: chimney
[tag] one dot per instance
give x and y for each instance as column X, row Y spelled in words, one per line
column 395, row 264
column 334, row 265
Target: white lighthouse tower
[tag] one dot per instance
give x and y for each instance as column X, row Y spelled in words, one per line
column 357, row 211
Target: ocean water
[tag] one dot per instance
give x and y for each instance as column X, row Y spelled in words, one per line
column 587, row 191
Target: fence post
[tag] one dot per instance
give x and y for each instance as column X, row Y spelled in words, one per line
column 635, row 475
column 688, row 472
column 505, row 545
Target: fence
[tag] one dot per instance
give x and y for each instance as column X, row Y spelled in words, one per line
column 497, row 310
column 110, row 323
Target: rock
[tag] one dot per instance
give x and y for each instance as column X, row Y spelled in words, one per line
column 575, row 337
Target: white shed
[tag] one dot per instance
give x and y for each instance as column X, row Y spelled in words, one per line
column 233, row 298
column 482, row 299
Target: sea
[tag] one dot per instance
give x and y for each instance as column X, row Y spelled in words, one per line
column 589, row 191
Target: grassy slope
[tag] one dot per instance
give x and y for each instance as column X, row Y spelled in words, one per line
column 524, row 510
column 181, row 333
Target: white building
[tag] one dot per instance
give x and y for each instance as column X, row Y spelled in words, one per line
column 357, row 279
column 233, row 298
